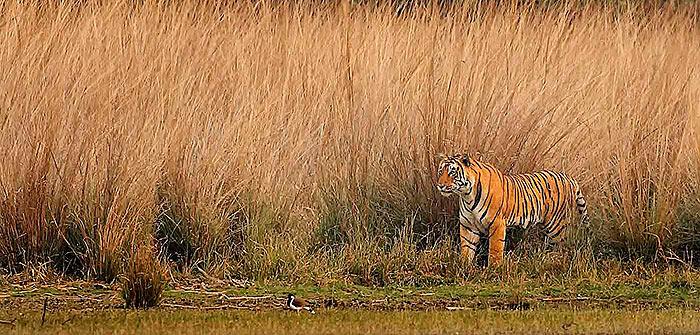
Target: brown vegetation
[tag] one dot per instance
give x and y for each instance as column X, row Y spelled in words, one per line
column 299, row 141
column 143, row 281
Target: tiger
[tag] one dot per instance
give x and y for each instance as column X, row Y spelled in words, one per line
column 490, row 201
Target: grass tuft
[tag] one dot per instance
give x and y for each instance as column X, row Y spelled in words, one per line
column 143, row 280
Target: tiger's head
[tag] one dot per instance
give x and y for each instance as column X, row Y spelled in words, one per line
column 455, row 175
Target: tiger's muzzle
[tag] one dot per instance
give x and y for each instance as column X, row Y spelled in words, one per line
column 446, row 190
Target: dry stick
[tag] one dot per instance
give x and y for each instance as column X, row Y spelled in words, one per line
column 205, row 307
column 198, row 292
column 43, row 313
column 82, row 297
column 247, row 298
column 7, row 322
column 25, row 292
column 568, row 299
column 67, row 320
column 223, row 295
column 618, row 298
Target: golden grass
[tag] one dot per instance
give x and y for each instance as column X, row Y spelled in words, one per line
column 253, row 141
column 539, row 321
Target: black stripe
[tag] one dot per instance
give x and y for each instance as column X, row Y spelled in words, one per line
column 553, row 221
column 558, row 211
column 541, row 184
column 469, row 229
column 506, row 197
column 560, row 192
column 469, row 245
column 536, row 200
column 486, row 208
column 498, row 212
column 529, row 205
column 477, row 198
column 559, row 231
column 500, row 206
column 548, row 227
column 555, row 197
column 528, row 201
column 524, row 197
column 537, row 188
column 516, row 199
column 466, row 239
column 491, row 232
column 572, row 184
column 560, row 188
column 471, row 248
column 487, row 203
column 519, row 200
column 558, row 218
column 511, row 205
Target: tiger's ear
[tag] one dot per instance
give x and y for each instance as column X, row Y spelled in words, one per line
column 466, row 159
column 441, row 156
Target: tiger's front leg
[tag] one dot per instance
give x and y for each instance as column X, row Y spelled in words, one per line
column 497, row 241
column 469, row 240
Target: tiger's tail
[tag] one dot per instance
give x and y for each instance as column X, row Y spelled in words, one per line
column 581, row 206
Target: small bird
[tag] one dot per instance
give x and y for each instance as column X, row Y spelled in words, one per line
column 298, row 304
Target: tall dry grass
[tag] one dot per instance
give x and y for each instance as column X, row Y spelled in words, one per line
column 299, row 141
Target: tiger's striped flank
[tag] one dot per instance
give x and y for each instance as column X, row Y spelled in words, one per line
column 490, row 201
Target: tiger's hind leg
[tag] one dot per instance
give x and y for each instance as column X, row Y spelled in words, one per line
column 554, row 233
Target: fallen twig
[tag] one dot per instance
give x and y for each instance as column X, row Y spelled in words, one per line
column 205, row 307
column 224, row 296
column 67, row 320
column 199, row 292
column 611, row 299
column 7, row 322
column 247, row 298
column 457, row 308
column 24, row 292
column 81, row 297
column 558, row 299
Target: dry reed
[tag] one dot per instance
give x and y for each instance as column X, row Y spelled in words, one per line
column 300, row 140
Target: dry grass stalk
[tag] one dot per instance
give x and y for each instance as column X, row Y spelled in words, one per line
column 258, row 130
